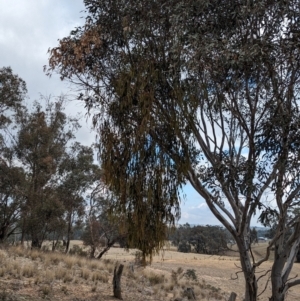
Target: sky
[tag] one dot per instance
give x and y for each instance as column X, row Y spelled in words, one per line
column 28, row 28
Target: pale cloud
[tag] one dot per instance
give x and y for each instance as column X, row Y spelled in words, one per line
column 202, row 205
column 27, row 30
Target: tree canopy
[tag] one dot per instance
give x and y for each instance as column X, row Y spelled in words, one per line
column 199, row 91
column 45, row 175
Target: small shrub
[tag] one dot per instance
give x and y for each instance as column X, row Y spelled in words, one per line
column 64, row 290
column 155, row 279
column 46, row 290
column 191, row 274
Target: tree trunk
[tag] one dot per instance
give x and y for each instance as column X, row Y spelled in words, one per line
column 23, row 232
column 68, row 234
column 276, row 275
column 35, row 243
column 251, row 288
column 54, row 245
column 117, row 281
column 93, row 250
column 67, row 245
column 2, row 236
column 247, row 268
column 109, row 245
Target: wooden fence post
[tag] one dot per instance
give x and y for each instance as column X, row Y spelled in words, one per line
column 117, row 281
column 232, row 296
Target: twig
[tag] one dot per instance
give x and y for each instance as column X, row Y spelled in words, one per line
column 237, row 276
column 265, row 286
column 263, row 275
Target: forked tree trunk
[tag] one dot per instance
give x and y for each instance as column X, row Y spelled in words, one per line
column 117, row 281
column 284, row 256
column 249, row 273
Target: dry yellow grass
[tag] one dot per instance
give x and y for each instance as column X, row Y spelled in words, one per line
column 35, row 276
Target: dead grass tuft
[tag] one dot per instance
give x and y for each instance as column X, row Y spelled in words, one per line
column 60, row 273
column 29, row 270
column 99, row 276
column 85, row 273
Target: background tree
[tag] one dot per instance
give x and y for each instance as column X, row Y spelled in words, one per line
column 41, row 143
column 101, row 231
column 253, row 234
column 78, row 174
column 12, row 94
column 199, row 91
column 204, row 239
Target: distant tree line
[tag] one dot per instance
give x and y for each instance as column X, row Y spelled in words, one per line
column 201, row 239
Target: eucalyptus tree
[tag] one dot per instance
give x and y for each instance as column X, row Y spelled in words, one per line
column 12, row 94
column 41, row 142
column 77, row 174
column 200, row 91
column 12, row 179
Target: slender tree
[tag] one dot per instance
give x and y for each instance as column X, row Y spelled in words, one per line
column 199, row 91
column 78, row 175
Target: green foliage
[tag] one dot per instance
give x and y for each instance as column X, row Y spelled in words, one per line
column 191, row 274
column 12, row 93
column 184, row 247
column 203, row 239
column 45, row 175
column 200, row 91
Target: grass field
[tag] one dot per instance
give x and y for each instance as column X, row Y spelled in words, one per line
column 32, row 275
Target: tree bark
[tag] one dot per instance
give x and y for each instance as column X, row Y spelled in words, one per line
column 68, row 234
column 117, row 281
column 93, row 250
column 276, row 277
column 109, row 245
column 35, row 243
column 249, row 272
